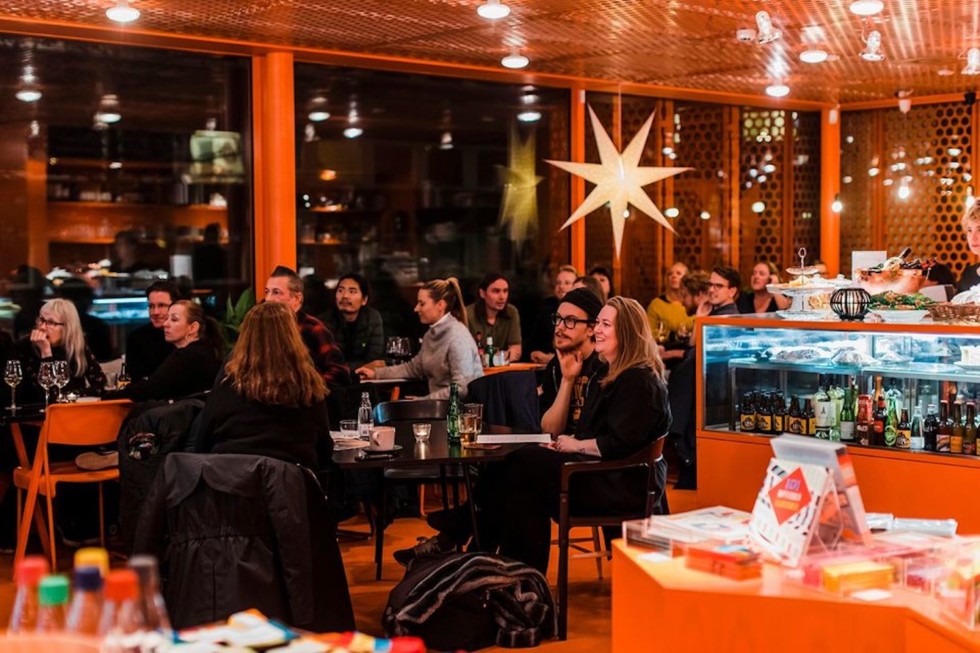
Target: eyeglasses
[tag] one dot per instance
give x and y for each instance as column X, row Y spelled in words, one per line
column 718, row 285
column 43, row 321
column 155, row 306
column 569, row 322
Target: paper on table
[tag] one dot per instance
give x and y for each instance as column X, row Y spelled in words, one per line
column 398, row 380
column 512, row 438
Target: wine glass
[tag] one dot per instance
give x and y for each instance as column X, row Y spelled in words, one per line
column 12, row 375
column 61, row 377
column 45, row 379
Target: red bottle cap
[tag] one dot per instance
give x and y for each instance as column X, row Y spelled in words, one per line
column 31, row 570
column 122, row 585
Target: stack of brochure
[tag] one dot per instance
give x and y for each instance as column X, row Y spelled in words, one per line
column 673, row 533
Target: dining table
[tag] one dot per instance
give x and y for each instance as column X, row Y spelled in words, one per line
column 409, row 454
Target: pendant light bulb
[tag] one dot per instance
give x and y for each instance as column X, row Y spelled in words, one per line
column 493, row 10
column 837, row 206
column 122, row 12
column 515, row 61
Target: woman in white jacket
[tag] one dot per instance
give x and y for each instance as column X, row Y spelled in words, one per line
column 448, row 353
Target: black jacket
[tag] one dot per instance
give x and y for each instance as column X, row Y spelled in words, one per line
column 238, row 532
column 364, row 342
column 185, row 372
column 146, row 349
column 90, row 383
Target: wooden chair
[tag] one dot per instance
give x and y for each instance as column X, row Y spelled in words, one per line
column 85, row 425
column 648, row 458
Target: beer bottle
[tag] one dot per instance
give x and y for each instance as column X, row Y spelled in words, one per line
column 796, row 425
column 863, row 421
column 763, row 414
column 809, row 418
column 956, row 433
column 970, row 430
column 878, row 392
column 778, row 414
column 891, row 425
column 945, row 430
column 879, row 419
column 903, row 439
column 847, row 417
column 930, row 428
column 453, row 416
column 746, row 417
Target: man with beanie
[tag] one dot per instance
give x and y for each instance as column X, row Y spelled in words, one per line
column 575, row 370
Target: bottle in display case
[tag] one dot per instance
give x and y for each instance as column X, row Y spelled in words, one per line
column 930, row 428
column 778, row 414
column 847, row 417
column 879, row 420
column 945, row 431
column 809, row 418
column 863, row 422
column 795, row 425
column 917, row 441
column 824, row 409
column 891, row 423
column 746, row 417
column 903, row 438
column 970, row 430
column 956, row 433
column 763, row 414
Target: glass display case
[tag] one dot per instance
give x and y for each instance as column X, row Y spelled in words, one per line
column 913, row 387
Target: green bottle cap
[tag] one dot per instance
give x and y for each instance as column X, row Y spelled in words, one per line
column 53, row 590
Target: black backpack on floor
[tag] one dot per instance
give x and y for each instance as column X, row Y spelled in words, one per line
column 470, row 601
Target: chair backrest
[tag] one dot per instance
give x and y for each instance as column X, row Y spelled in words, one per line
column 410, row 409
column 86, row 424
column 509, row 399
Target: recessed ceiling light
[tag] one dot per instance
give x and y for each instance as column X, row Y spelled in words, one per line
column 122, row 12
column 529, row 116
column 777, row 90
column 867, row 7
column 28, row 95
column 108, row 117
column 353, row 132
column 493, row 10
column 515, row 61
column 813, row 55
column 115, row 165
column 319, row 116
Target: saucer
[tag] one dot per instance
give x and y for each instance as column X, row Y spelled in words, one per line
column 395, row 448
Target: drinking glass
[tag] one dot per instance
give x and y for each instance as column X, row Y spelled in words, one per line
column 12, row 375
column 421, row 431
column 468, row 428
column 348, row 428
column 477, row 410
column 45, row 379
column 61, row 378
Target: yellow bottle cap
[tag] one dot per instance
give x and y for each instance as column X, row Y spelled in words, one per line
column 93, row 557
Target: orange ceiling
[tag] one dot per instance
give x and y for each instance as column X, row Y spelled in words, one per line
column 676, row 43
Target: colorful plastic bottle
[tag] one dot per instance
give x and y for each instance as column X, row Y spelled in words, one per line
column 93, row 556
column 151, row 603
column 85, row 612
column 122, row 626
column 27, row 576
column 52, row 599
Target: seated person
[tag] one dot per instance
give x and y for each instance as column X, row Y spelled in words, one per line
column 271, row 400
column 448, row 353
column 57, row 336
column 492, row 317
column 604, row 277
column 356, row 326
column 146, row 347
column 760, row 300
column 628, row 413
column 96, row 330
column 540, row 344
column 592, row 284
column 668, row 309
column 723, row 285
column 198, row 351
column 970, row 222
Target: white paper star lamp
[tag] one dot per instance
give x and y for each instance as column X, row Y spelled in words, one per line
column 618, row 179
column 519, row 208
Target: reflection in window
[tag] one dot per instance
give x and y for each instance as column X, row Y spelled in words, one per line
column 121, row 166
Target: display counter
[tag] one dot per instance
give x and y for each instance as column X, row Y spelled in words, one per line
column 918, row 365
column 665, row 606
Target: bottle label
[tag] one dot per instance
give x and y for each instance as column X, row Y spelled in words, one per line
column 748, row 422
column 942, row 442
column 862, row 434
column 763, row 423
column 825, row 414
column 891, row 435
column 970, row 447
column 956, row 444
column 903, row 440
column 796, row 425
column 777, row 424
column 847, row 431
column 811, row 425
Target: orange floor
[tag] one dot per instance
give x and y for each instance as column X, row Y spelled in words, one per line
column 590, row 598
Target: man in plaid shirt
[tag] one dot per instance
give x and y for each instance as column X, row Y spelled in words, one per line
column 285, row 287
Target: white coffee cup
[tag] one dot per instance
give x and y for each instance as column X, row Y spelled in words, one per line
column 383, row 438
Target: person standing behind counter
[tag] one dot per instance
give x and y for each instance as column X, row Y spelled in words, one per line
column 448, row 353
column 491, row 316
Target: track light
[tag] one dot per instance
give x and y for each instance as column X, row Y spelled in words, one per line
column 972, row 62
column 122, row 12
column 872, row 48
column 767, row 33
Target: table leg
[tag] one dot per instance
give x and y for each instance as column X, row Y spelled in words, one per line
column 379, row 525
column 468, row 480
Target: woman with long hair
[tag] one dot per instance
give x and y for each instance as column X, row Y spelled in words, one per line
column 759, row 299
column 667, row 313
column 57, row 336
column 628, row 413
column 448, row 353
column 271, row 401
column 193, row 364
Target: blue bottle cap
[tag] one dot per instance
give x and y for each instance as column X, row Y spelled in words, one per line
column 88, row 579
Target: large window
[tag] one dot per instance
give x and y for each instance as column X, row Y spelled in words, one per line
column 405, row 178
column 136, row 158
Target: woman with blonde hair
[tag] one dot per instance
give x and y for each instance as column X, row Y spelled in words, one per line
column 57, row 336
column 758, row 299
column 448, row 353
column 667, row 312
column 271, row 401
column 629, row 412
column 970, row 222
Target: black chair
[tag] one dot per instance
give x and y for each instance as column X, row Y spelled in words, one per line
column 650, row 457
column 410, row 410
column 509, row 399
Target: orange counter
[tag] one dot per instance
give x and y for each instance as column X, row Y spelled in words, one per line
column 664, row 606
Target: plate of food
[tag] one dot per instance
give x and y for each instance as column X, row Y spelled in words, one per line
column 900, row 316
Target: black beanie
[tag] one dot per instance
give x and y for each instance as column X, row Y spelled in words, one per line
column 585, row 299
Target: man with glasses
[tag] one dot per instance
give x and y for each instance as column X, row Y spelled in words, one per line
column 146, row 348
column 723, row 288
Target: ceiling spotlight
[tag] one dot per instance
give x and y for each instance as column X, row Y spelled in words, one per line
column 115, row 165
column 867, row 7
column 904, row 101
column 122, row 12
column 319, row 116
column 705, row 215
column 529, row 98
column 837, row 206
column 514, row 61
column 529, row 116
column 108, row 111
column 767, row 33
column 972, row 62
column 777, row 90
column 318, row 109
column 446, row 141
column 353, row 132
column 813, row 55
column 872, row 48
column 28, row 94
column 672, row 212
column 493, row 10
column 758, row 207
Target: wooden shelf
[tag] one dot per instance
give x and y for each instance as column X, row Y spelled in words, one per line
column 131, row 205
